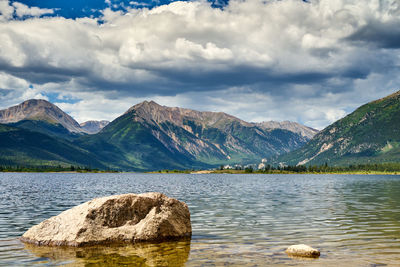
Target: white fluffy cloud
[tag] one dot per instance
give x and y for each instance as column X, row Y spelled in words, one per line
column 6, row 10
column 296, row 60
column 22, row 10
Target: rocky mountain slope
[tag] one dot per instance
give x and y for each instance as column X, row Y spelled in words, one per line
column 371, row 134
column 149, row 135
column 93, row 127
column 212, row 134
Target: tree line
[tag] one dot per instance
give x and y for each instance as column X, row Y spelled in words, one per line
column 47, row 168
column 325, row 168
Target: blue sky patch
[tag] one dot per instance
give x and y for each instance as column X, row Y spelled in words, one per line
column 77, row 8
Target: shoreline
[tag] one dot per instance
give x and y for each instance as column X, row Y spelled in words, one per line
column 274, row 172
column 289, row 172
column 221, row 172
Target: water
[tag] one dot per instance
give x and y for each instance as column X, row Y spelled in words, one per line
column 237, row 220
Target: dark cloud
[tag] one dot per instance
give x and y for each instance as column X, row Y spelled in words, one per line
column 238, row 76
column 42, row 75
column 381, row 34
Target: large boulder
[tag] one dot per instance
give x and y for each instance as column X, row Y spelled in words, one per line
column 115, row 219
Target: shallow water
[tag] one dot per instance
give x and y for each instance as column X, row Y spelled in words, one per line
column 237, row 220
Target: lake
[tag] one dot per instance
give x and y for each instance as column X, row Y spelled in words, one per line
column 237, row 220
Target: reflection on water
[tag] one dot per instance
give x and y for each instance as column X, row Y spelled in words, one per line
column 172, row 253
column 239, row 220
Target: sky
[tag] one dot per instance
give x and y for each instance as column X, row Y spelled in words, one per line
column 311, row 61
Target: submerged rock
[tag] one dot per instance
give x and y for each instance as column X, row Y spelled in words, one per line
column 302, row 251
column 115, row 219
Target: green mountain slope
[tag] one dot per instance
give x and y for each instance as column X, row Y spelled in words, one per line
column 28, row 148
column 45, row 127
column 128, row 145
column 371, row 134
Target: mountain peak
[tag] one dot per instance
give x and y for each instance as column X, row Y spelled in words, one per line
column 39, row 109
column 148, row 103
column 144, row 105
column 32, row 103
column 153, row 112
column 36, row 102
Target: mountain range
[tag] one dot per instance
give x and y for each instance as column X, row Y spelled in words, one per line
column 370, row 134
column 146, row 137
column 149, row 136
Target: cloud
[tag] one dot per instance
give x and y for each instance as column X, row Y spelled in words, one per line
column 382, row 34
column 22, row 10
column 88, row 108
column 6, row 11
column 279, row 51
column 15, row 90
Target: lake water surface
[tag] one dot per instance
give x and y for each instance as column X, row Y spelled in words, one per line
column 237, row 220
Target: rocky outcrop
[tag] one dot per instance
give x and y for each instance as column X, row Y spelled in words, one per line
column 125, row 218
column 302, row 251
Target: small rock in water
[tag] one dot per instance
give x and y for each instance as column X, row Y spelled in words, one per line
column 115, row 219
column 302, row 251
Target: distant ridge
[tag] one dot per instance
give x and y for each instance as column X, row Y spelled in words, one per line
column 290, row 126
column 93, row 127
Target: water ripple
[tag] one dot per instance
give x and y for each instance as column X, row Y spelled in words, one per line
column 241, row 220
